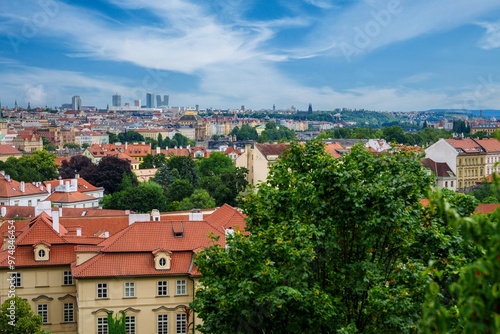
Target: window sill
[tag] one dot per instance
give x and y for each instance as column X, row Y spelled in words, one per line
column 67, row 322
column 184, row 295
column 102, row 298
column 133, row 297
column 162, row 296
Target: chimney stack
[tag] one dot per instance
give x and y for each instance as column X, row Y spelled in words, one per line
column 55, row 220
column 78, row 231
column 22, row 186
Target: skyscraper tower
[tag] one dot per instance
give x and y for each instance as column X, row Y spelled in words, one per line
column 150, row 100
column 165, row 100
column 310, row 109
column 76, row 103
column 158, row 101
column 117, row 100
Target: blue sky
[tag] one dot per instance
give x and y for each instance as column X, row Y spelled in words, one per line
column 388, row 55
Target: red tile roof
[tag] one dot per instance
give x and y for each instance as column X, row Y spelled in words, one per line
column 148, row 236
column 227, row 216
column 334, row 149
column 490, row 145
column 272, row 149
column 132, row 264
column 82, row 185
column 12, row 188
column 486, row 208
column 465, row 145
column 9, row 150
column 74, row 197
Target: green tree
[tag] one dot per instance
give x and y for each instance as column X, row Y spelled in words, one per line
column 185, row 167
column 142, row 198
column 476, row 306
column 130, row 136
column 180, row 189
column 39, row 166
column 116, row 324
column 153, row 161
column 72, row 146
column 47, row 145
column 331, row 244
column 245, row 133
column 215, row 164
column 16, row 317
column 200, row 199
column 275, row 133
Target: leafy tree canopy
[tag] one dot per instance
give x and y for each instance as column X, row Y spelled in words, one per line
column 331, row 246
column 39, row 166
column 142, row 198
column 16, row 317
column 76, row 164
column 109, row 173
column 153, row 161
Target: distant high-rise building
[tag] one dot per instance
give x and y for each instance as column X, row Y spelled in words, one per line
column 117, row 100
column 165, row 100
column 274, row 107
column 158, row 101
column 76, row 103
column 137, row 103
column 310, row 109
column 150, row 100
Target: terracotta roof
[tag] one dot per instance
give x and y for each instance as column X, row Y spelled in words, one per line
column 489, row 145
column 12, row 188
column 486, row 208
column 334, row 149
column 82, row 184
column 74, row 197
column 131, row 264
column 465, row 145
column 59, row 255
column 9, row 150
column 227, row 216
column 41, row 229
column 148, row 236
column 272, row 149
column 440, row 169
column 95, row 225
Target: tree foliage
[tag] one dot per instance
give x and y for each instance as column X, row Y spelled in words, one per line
column 274, row 133
column 142, row 198
column 153, row 161
column 16, row 317
column 76, row 164
column 39, row 166
column 116, row 324
column 330, row 249
column 108, row 173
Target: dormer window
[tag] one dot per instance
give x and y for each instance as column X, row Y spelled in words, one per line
column 162, row 260
column 41, row 251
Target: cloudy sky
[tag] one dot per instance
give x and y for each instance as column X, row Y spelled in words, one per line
column 396, row 55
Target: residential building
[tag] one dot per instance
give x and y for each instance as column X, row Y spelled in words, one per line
column 465, row 157
column 444, row 176
column 28, row 142
column 7, row 151
column 258, row 159
column 150, row 100
column 75, row 270
column 117, row 100
column 22, row 193
column 492, row 148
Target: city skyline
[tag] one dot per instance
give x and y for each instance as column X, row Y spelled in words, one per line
column 394, row 55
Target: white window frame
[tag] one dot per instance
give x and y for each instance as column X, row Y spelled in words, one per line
column 69, row 312
column 162, row 323
column 102, row 325
column 67, row 277
column 102, row 290
column 181, row 287
column 43, row 310
column 181, row 323
column 17, row 279
column 128, row 289
column 130, row 325
column 162, row 288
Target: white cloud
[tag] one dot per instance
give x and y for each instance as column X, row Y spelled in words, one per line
column 323, row 4
column 491, row 39
column 372, row 24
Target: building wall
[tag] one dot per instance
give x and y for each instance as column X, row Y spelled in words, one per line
column 145, row 306
column 441, row 151
column 470, row 168
column 44, row 285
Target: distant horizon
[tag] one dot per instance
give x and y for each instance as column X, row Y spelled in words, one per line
column 385, row 55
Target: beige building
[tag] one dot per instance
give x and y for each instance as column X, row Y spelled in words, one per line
column 75, row 270
column 258, row 159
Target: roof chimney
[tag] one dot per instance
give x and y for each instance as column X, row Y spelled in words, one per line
column 229, row 234
column 22, row 186
column 55, row 220
column 78, row 231
column 49, row 188
column 157, row 149
column 66, row 187
column 196, row 215
column 7, row 177
column 77, row 176
column 3, row 211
